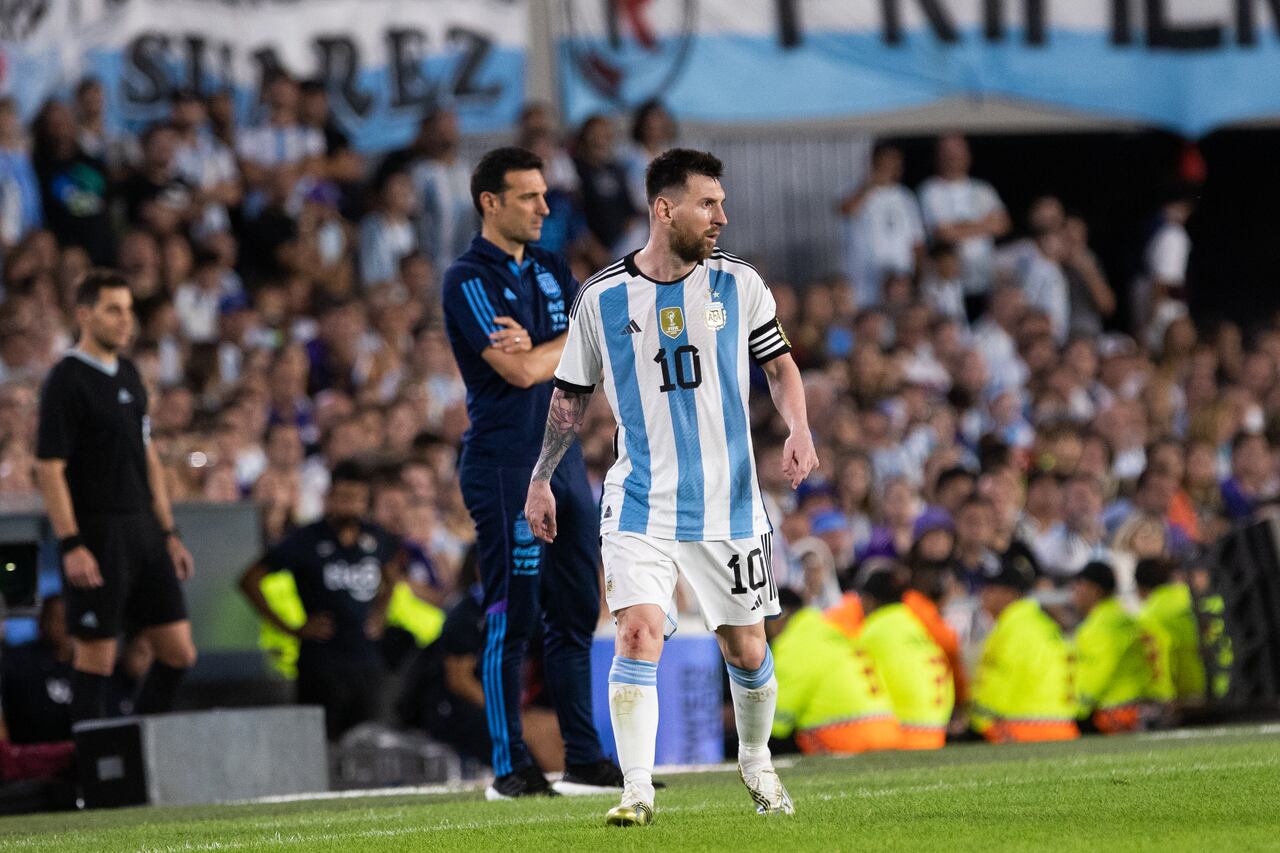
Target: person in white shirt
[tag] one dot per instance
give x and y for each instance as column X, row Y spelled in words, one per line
column 205, row 163
column 388, row 234
column 966, row 211
column 442, row 180
column 1042, row 279
column 1160, row 295
column 280, row 143
column 993, row 338
column 882, row 233
column 942, row 287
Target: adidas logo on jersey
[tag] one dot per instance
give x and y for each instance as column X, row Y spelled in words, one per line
column 511, row 297
column 124, row 396
column 608, row 512
column 89, row 620
column 632, row 328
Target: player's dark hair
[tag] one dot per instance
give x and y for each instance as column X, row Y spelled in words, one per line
column 490, row 175
column 672, row 168
column 94, row 282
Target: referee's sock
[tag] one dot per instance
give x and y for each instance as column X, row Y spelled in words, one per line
column 755, row 697
column 159, row 689
column 88, row 695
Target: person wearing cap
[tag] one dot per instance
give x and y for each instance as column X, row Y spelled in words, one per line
column 915, row 670
column 1168, row 613
column 1118, row 662
column 927, row 593
column 830, row 696
column 1022, row 688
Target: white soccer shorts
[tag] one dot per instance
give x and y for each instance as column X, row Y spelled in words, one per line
column 732, row 579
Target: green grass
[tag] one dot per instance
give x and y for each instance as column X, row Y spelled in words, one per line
column 1197, row 790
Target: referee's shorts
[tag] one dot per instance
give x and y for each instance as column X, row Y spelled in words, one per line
column 140, row 588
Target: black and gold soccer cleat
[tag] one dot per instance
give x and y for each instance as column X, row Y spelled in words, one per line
column 630, row 814
column 767, row 792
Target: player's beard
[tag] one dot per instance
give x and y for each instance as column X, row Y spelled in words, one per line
column 691, row 247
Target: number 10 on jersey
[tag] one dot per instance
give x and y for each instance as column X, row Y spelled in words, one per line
column 687, row 368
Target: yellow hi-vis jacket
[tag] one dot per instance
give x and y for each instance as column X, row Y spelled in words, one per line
column 822, row 680
column 1117, row 661
column 1168, row 611
column 1024, row 687
column 914, row 669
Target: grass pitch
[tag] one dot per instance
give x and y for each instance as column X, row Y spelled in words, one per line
column 1189, row 790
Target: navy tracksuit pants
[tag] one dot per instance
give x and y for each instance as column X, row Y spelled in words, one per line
column 526, row 580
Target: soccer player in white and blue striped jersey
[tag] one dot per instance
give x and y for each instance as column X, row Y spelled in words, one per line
column 670, row 332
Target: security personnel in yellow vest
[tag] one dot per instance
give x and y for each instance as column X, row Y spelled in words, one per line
column 1023, row 689
column 912, row 665
column 830, row 696
column 1168, row 609
column 1117, row 662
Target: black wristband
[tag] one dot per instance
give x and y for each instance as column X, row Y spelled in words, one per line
column 172, row 531
column 70, row 543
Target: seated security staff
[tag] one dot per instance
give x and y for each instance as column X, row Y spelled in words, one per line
column 345, row 569
column 1167, row 608
column 829, row 693
column 914, row 668
column 1117, row 661
column 35, row 681
column 1022, row 689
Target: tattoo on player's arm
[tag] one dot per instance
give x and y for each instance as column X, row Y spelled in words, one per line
column 564, row 420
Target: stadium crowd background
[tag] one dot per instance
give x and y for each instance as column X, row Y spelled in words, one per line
column 967, row 380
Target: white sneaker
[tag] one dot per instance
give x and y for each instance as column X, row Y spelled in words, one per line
column 767, row 791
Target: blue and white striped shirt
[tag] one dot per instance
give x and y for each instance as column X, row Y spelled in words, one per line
column 674, row 359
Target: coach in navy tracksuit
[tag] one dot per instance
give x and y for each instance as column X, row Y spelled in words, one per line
column 506, row 308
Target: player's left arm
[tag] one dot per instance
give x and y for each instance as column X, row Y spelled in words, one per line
column 787, row 389
column 183, row 563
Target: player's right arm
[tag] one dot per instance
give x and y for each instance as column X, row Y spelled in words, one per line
column 579, row 370
column 57, row 425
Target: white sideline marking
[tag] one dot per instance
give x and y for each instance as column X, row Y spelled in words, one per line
column 469, row 787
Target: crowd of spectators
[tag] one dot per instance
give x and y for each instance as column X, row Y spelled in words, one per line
column 961, row 384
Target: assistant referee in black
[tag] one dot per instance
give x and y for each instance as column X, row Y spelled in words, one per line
column 104, row 490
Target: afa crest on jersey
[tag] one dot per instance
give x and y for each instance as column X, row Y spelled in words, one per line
column 672, row 321
column 549, row 286
column 716, row 316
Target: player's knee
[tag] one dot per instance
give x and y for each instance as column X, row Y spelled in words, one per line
column 746, row 653
column 638, row 639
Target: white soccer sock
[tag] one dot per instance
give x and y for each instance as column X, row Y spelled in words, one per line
column 633, row 708
column 755, row 697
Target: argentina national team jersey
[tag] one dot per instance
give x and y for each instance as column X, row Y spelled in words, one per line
column 673, row 358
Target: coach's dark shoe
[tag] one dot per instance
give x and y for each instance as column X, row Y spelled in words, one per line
column 528, row 782
column 598, row 777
